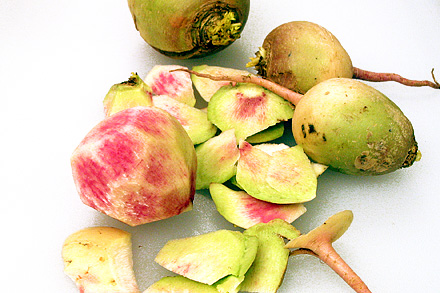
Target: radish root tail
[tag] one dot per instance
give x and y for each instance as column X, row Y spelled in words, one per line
column 328, row 255
column 433, row 78
column 289, row 95
column 380, row 77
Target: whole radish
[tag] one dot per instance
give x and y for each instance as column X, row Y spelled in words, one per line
column 301, row 54
column 353, row 128
column 189, row 28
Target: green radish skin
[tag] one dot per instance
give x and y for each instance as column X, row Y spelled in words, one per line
column 301, row 54
column 353, row 128
column 190, row 28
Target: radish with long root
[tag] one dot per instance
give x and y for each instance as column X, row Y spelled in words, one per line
column 301, row 54
column 318, row 242
column 345, row 124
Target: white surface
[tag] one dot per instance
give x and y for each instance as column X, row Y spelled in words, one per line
column 59, row 58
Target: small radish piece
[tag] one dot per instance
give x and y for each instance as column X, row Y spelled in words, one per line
column 217, row 159
column 269, row 134
column 284, row 177
column 209, row 257
column 193, row 120
column 247, row 108
column 267, row 272
column 245, row 211
column 208, row 87
column 179, row 284
column 165, row 80
column 99, row 260
column 128, row 94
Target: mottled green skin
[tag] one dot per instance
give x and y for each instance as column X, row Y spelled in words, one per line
column 177, row 29
column 353, row 128
column 301, row 54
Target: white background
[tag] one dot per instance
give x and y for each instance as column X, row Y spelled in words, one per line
column 59, row 58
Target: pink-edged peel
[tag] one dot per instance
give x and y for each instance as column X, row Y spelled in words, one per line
column 194, row 121
column 166, row 80
column 245, row 211
column 247, row 108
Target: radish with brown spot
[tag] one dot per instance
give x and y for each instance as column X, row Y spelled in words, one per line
column 301, row 54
